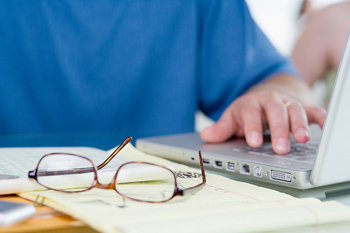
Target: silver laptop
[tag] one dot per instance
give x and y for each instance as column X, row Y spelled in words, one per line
column 323, row 161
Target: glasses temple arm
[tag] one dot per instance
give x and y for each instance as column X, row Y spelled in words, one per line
column 115, row 152
column 198, row 187
column 32, row 173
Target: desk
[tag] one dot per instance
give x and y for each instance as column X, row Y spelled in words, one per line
column 45, row 220
column 51, row 221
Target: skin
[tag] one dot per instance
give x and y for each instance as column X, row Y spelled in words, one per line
column 321, row 44
column 282, row 102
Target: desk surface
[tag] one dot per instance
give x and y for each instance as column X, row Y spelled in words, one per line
column 45, row 220
column 52, row 221
column 49, row 220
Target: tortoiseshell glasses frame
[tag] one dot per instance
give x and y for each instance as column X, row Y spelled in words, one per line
column 34, row 174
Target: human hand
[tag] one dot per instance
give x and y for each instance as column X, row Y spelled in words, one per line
column 249, row 114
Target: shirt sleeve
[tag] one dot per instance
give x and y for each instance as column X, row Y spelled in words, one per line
column 235, row 55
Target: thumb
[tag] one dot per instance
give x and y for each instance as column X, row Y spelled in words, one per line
column 221, row 131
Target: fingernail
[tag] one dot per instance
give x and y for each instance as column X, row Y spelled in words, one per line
column 282, row 145
column 255, row 138
column 301, row 132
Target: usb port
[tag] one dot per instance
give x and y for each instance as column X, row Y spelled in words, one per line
column 231, row 166
column 206, row 161
column 218, row 164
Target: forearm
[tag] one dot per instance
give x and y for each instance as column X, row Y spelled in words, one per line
column 288, row 85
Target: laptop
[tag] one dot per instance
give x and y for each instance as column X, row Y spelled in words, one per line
column 323, row 161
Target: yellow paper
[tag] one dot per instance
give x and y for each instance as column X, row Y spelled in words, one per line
column 223, row 205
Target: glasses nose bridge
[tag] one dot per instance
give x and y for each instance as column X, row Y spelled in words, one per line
column 105, row 186
column 99, row 185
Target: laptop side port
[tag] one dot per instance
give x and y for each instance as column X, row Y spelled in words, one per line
column 206, row 162
column 231, row 166
column 257, row 171
column 244, row 169
column 218, row 164
column 281, row 176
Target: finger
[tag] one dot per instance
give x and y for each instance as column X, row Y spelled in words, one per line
column 252, row 123
column 298, row 122
column 223, row 129
column 278, row 121
column 316, row 115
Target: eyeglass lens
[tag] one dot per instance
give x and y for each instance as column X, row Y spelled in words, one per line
column 145, row 182
column 62, row 171
column 139, row 181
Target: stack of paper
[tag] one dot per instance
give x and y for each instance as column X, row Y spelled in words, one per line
column 223, row 205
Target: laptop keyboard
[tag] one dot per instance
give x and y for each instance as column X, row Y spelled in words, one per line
column 298, row 152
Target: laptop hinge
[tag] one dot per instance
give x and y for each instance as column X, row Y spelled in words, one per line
column 337, row 192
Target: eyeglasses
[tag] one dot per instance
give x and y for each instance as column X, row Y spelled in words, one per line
column 139, row 181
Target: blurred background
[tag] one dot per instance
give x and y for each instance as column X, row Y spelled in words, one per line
column 282, row 21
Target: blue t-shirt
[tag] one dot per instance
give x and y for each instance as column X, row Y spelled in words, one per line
column 107, row 66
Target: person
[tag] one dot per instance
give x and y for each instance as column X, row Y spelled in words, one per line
column 319, row 48
column 102, row 66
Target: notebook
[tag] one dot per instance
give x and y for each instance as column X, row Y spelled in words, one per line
column 323, row 161
column 222, row 205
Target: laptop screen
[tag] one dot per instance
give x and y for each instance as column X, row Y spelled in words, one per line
column 333, row 157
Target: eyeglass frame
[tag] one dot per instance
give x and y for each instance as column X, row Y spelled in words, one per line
column 33, row 174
